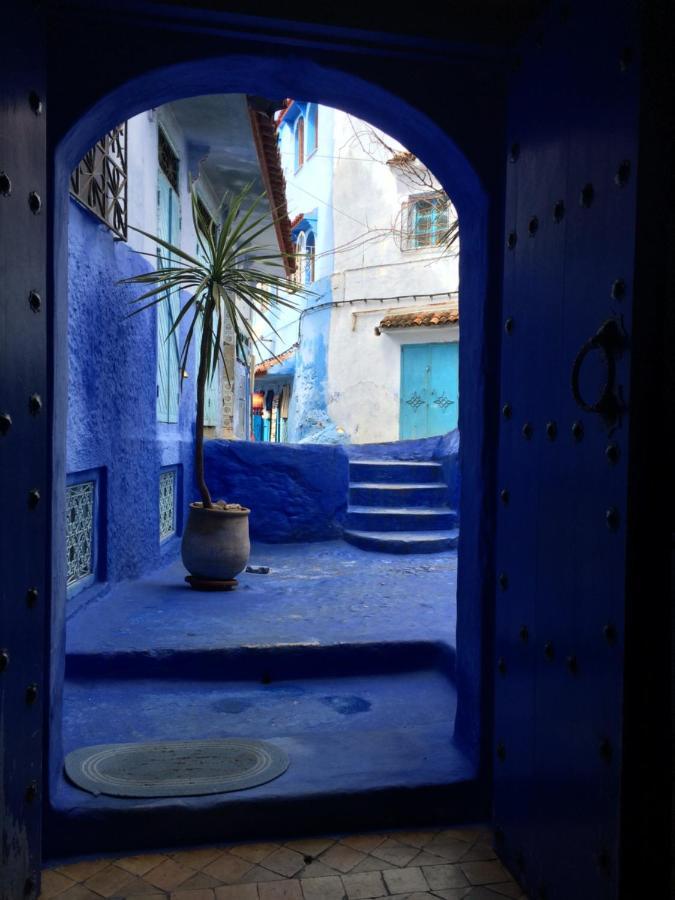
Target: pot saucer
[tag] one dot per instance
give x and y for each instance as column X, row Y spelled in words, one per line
column 210, row 584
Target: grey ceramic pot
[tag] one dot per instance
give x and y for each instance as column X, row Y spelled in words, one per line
column 215, row 542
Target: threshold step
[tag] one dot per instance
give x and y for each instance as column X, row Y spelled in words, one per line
column 409, row 518
column 366, row 749
column 370, row 493
column 403, row 541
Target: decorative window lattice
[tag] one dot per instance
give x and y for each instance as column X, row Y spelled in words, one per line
column 168, row 160
column 167, row 504
column 80, row 531
column 100, row 180
column 425, row 222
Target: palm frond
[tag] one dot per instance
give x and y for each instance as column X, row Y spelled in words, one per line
column 235, row 274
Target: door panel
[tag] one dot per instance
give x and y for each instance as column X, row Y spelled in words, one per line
column 561, row 552
column 429, row 399
column 443, row 388
column 24, row 482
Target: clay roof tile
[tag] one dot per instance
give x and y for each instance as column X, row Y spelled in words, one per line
column 422, row 319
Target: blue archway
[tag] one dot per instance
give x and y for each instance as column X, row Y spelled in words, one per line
column 443, row 154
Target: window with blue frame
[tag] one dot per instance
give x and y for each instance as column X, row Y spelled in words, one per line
column 83, row 501
column 310, row 249
column 312, row 128
column 300, row 248
column 299, row 143
column 426, row 222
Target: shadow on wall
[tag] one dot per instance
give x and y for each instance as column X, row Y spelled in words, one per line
column 299, row 492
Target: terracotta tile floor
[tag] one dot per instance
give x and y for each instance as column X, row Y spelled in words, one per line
column 452, row 864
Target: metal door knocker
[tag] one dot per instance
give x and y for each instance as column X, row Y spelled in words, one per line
column 610, row 341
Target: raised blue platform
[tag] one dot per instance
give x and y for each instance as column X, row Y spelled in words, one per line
column 321, row 594
column 345, row 658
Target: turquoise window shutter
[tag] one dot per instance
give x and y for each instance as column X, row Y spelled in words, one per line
column 162, row 363
column 211, row 393
column 211, row 401
column 168, row 374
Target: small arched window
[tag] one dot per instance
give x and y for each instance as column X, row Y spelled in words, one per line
column 299, row 143
column 300, row 250
column 312, row 128
column 308, row 267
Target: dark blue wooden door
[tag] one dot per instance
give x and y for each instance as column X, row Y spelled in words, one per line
column 561, row 549
column 24, row 412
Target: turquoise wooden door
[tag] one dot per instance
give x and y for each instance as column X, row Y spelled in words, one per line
column 429, row 389
column 168, row 375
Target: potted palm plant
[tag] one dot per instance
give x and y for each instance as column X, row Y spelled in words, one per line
column 231, row 273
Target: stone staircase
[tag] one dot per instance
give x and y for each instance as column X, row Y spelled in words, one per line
column 397, row 506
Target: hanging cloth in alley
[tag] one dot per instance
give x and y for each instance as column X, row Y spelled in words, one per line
column 285, row 401
column 269, row 400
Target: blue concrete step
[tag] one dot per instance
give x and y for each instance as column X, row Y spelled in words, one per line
column 403, row 541
column 411, row 518
column 370, row 493
column 394, row 471
column 375, row 750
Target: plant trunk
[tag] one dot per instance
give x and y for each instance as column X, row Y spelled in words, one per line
column 201, row 389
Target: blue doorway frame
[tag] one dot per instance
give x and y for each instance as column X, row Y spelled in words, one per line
column 155, row 83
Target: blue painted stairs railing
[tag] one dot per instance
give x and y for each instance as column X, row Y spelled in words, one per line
column 397, row 506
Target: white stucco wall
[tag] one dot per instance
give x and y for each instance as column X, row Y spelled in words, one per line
column 142, row 169
column 364, row 369
column 347, row 378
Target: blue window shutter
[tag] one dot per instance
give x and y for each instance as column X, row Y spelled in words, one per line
column 211, row 400
column 168, row 375
column 211, row 393
column 312, row 127
column 162, row 363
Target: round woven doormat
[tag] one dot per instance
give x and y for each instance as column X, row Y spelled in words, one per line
column 175, row 768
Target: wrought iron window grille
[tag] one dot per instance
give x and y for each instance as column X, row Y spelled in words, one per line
column 100, row 180
column 425, row 221
column 167, row 504
column 168, row 159
column 80, row 531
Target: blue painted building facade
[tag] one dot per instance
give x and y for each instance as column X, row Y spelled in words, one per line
column 369, row 221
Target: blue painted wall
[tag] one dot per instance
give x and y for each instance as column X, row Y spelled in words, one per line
column 112, row 421
column 308, row 418
column 310, row 191
column 295, row 493
column 298, row 492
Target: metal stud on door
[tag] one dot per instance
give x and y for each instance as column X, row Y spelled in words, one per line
column 24, row 414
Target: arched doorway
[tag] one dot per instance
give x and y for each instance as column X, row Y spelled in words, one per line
column 419, row 133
